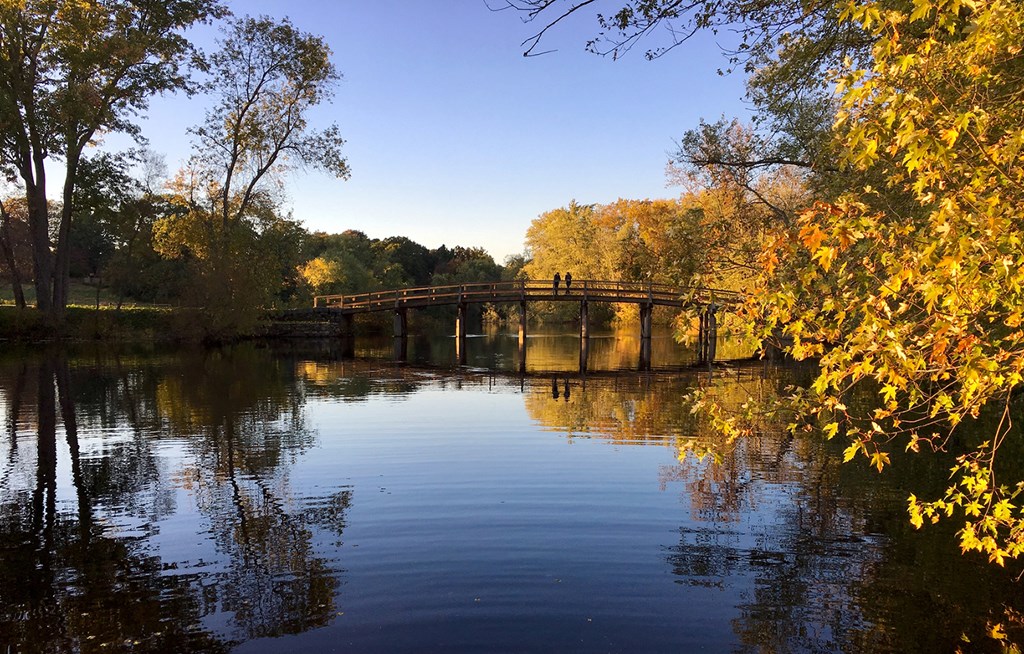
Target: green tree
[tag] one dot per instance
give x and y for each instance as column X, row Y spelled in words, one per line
column 513, row 268
column 69, row 71
column 104, row 191
column 266, row 78
column 15, row 246
column 400, row 261
column 462, row 265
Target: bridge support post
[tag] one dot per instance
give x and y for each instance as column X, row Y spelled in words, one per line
column 400, row 349
column 646, row 311
column 401, row 323
column 460, row 333
column 707, row 339
column 584, row 335
column 584, row 351
column 701, row 337
column 522, row 337
column 522, row 324
column 712, row 334
column 348, row 337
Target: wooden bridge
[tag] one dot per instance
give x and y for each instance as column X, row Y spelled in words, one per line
column 708, row 301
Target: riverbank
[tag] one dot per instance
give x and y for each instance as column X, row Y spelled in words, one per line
column 162, row 324
column 91, row 323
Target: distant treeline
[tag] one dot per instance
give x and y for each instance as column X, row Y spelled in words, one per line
column 142, row 246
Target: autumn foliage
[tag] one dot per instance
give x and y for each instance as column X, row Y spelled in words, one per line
column 912, row 287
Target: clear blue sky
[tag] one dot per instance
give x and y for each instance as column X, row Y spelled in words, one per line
column 455, row 138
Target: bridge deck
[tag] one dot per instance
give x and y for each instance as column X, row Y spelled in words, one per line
column 526, row 291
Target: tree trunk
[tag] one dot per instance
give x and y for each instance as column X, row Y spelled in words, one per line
column 7, row 249
column 62, row 255
column 42, row 259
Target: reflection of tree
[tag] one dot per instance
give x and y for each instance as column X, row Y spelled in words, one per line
column 244, row 422
column 68, row 581
column 818, row 554
column 826, row 546
column 65, row 585
column 356, row 381
column 623, row 408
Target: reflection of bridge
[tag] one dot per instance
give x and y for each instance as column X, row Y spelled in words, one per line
column 705, row 300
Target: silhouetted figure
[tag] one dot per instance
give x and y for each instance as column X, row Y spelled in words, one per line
column 568, row 282
column 565, row 389
column 554, row 388
column 558, row 280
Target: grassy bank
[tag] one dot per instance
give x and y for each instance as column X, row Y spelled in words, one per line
column 80, row 294
column 90, row 323
column 92, row 314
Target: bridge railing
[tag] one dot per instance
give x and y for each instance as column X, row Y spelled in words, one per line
column 523, row 290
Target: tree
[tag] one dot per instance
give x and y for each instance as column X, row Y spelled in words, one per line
column 339, row 263
column 69, row 71
column 570, row 239
column 15, row 245
column 462, row 265
column 321, row 274
column 928, row 267
column 265, row 78
column 400, row 261
column 103, row 193
column 513, row 267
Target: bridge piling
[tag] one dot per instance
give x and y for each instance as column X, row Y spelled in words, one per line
column 584, row 352
column 460, row 322
column 712, row 334
column 522, row 336
column 522, row 324
column 707, row 335
column 460, row 333
column 401, row 323
column 400, row 349
column 646, row 311
column 347, row 333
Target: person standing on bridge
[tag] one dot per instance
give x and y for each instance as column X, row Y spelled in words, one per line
column 558, row 279
column 568, row 282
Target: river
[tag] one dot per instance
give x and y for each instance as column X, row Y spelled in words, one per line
column 282, row 498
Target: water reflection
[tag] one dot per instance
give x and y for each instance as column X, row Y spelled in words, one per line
column 205, row 500
column 497, row 348
column 828, row 558
column 205, row 438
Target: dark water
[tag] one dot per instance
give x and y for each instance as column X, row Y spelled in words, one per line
column 286, row 500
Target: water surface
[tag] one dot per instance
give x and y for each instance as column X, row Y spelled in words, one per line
column 273, row 500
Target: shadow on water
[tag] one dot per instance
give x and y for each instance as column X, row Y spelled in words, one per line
column 160, row 502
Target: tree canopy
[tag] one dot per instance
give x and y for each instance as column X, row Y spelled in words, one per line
column 69, row 71
column 917, row 283
column 265, row 78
